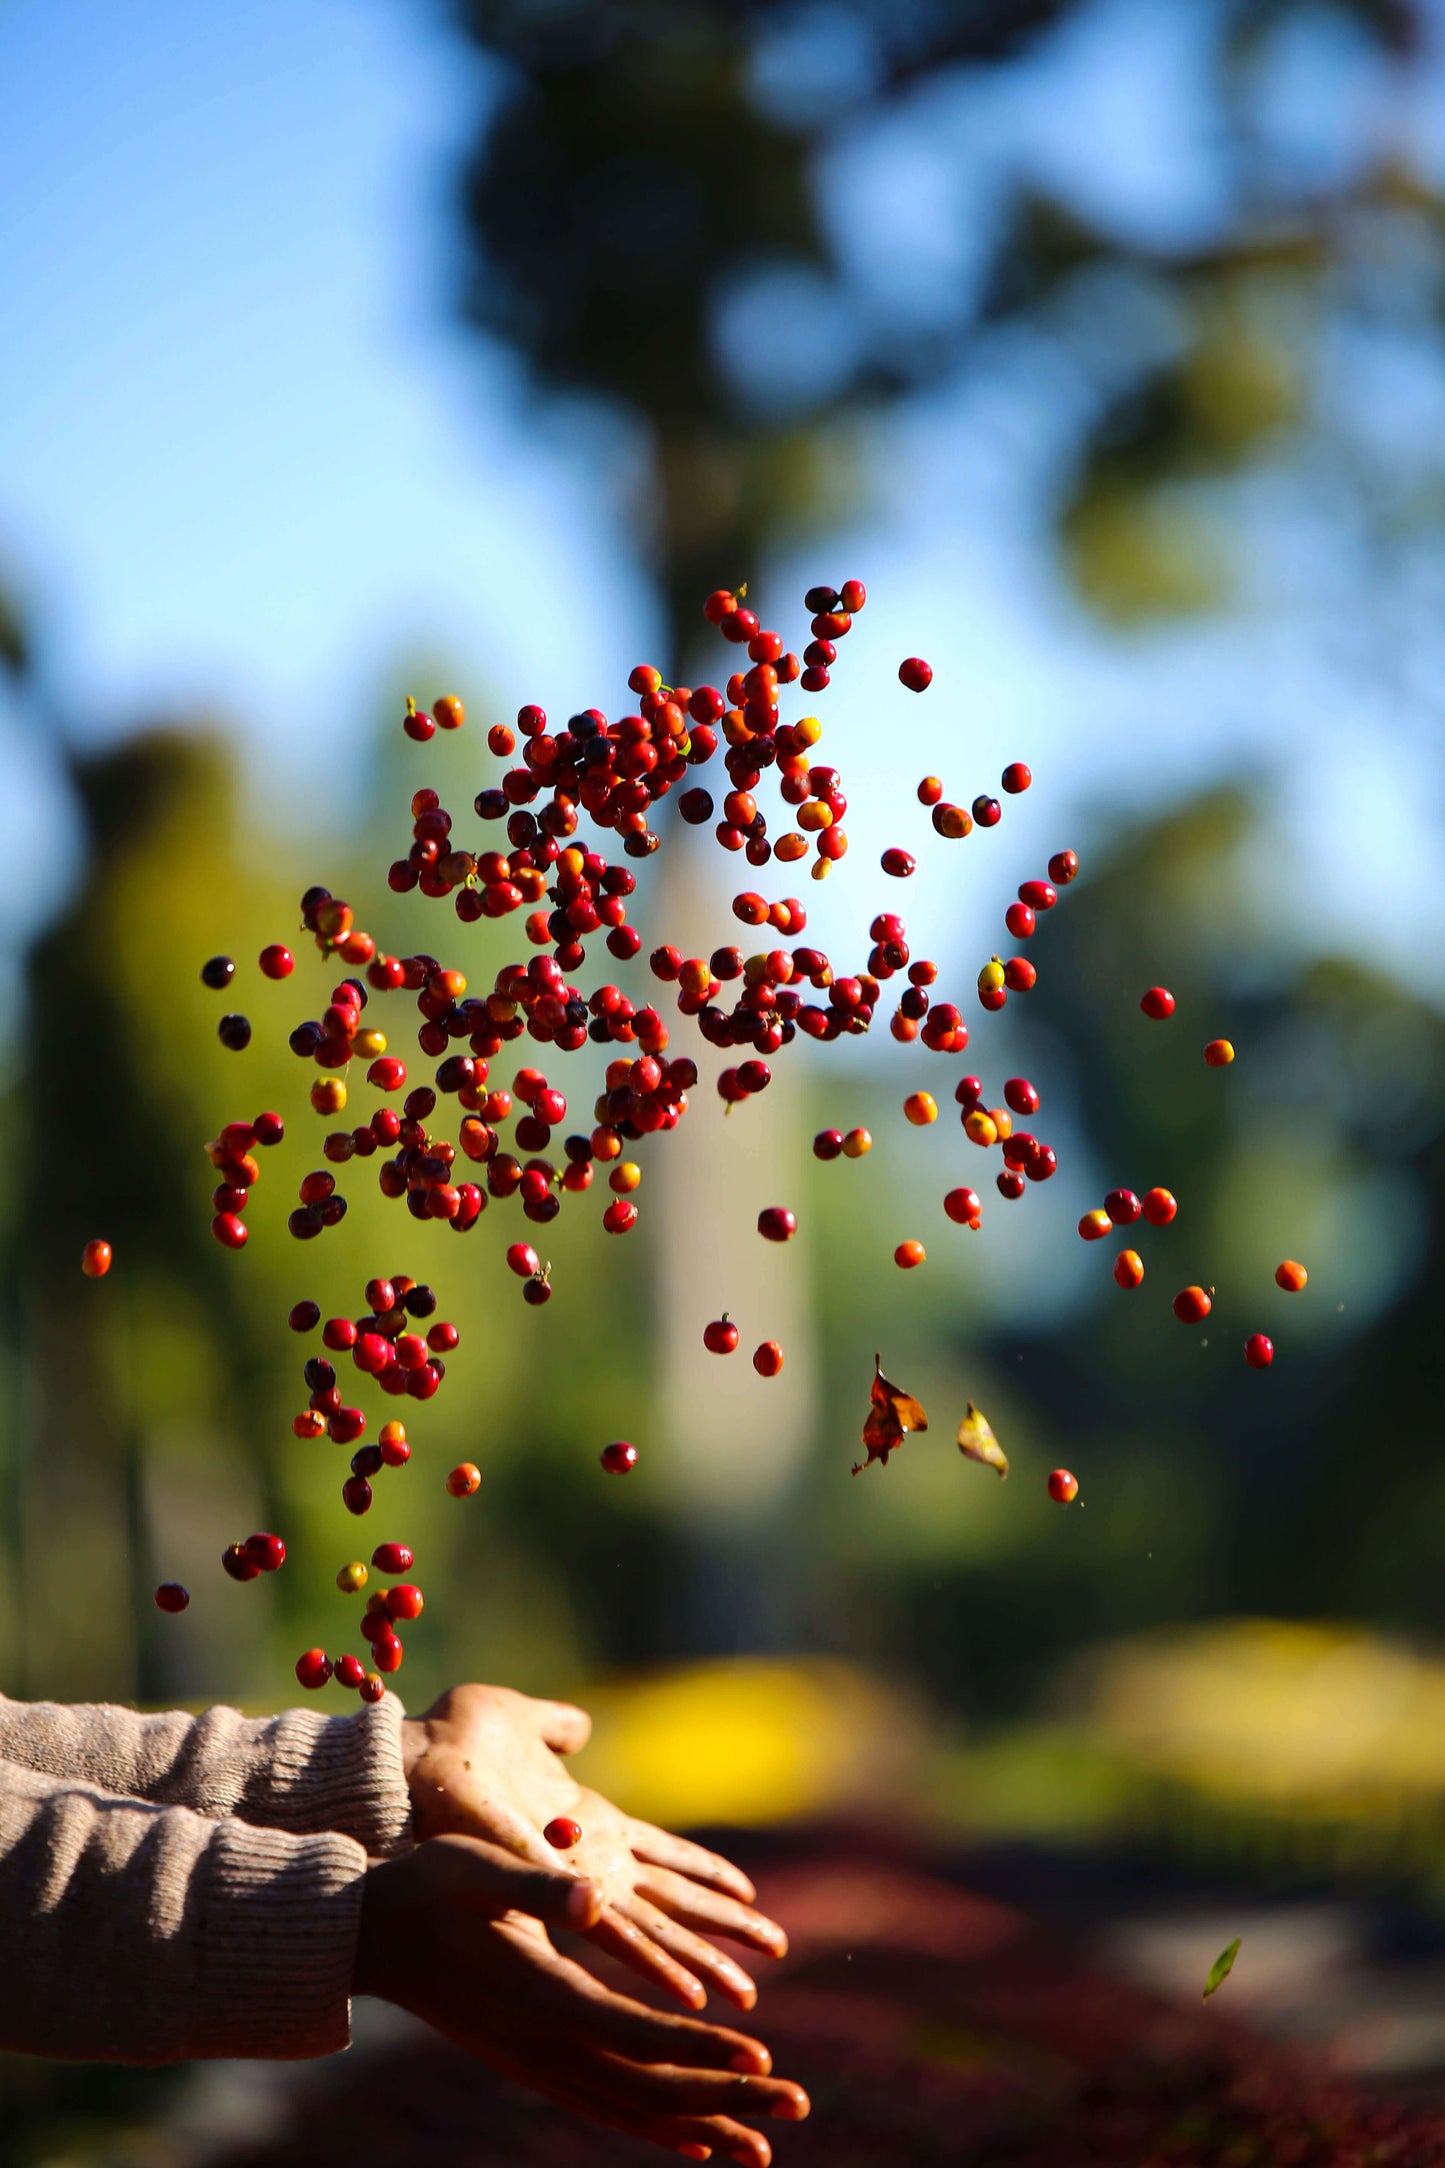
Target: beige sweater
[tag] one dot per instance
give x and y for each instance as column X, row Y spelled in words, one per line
column 175, row 1886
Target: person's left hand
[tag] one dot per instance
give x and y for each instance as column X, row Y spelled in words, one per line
column 485, row 1762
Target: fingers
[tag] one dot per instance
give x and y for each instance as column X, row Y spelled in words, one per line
column 598, row 2018
column 561, row 1725
column 664, row 1850
column 482, row 1878
column 623, row 1939
column 709, row 1912
column 692, row 1950
column 666, row 2090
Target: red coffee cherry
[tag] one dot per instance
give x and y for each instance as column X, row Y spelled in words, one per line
column 562, row 1832
column 392, row 1558
column 170, row 1596
column 230, row 1231
column 349, row 1672
column 405, row 1601
column 1123, row 1207
column 304, row 1316
column 1290, row 1276
column 356, row 1494
column 767, row 1359
column 1063, row 1487
column 218, row 973
column 1020, row 921
column 987, row 812
column 269, row 1128
column 899, row 863
column 1157, row 1003
column 1159, row 1207
column 1259, row 1351
column 266, row 1553
column 620, row 1216
column 962, row 1206
column 237, row 1564
column 915, row 673
column 1095, row 1225
column 1219, row 1053
column 721, row 1336
column 828, row 1144
column 1017, row 777
column 373, row 1687
column 386, row 1652
column 1192, row 1305
column 777, row 1224
column 1128, row 1268
column 909, row 1254
column 1019, row 1094
column 1009, row 1183
column 449, row 712
column 619, row 1458
column 313, row 1669
column 523, row 1260
column 277, row 962
column 1038, row 895
column 1062, row 868
column 465, row 1480
column 95, row 1259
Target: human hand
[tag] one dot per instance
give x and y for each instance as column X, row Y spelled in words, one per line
column 485, row 1762
column 453, row 1931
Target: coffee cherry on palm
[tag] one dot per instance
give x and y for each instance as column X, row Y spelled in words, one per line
column 915, row 673
column 562, row 1832
column 987, row 812
column 465, row 1480
column 218, row 973
column 448, row 712
column 1159, row 1207
column 1290, row 1276
column 1128, row 1268
column 170, row 1596
column 313, row 1669
column 266, row 1553
column 393, row 1558
column 767, row 1359
column 1017, row 777
column 234, row 1033
column 229, row 1231
column 963, row 1207
column 1062, row 868
column 1219, row 1053
column 277, row 962
column 352, row 1578
column 1192, row 1305
column 1063, row 1488
column 1095, row 1225
column 721, row 1336
column 921, row 1108
column 619, row 1458
column 1259, row 1351
column 777, row 1224
column 1157, row 1003
column 828, row 1144
column 349, row 1672
column 95, row 1259
column 909, row 1254
column 856, row 1143
column 1123, row 1207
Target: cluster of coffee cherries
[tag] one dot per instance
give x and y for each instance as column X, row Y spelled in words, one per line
column 233, row 1157
column 382, row 1345
column 1000, row 977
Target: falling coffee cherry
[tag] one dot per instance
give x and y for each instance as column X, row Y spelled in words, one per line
column 1259, row 1351
column 313, row 1669
column 915, row 673
column 234, row 1033
column 1290, row 1276
column 170, row 1596
column 1063, row 1487
column 1219, row 1053
column 619, row 1458
column 95, row 1259
column 218, row 973
column 1158, row 1003
column 768, row 1359
column 1192, row 1305
column 777, row 1224
column 465, row 1480
column 721, row 1336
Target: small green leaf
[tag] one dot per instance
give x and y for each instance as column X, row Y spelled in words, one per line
column 1222, row 1967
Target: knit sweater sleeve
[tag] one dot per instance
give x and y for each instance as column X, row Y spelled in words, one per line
column 134, row 1932
column 298, row 1772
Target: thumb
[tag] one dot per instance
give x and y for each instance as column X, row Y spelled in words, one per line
column 481, row 1877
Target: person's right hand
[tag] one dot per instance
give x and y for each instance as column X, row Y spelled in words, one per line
column 454, row 1932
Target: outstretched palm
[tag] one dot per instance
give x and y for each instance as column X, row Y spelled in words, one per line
column 486, row 1762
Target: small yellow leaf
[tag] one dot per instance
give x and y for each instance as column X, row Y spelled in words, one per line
column 976, row 1441
column 1222, row 1967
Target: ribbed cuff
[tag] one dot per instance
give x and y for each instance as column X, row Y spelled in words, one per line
column 343, row 1773
column 280, row 1915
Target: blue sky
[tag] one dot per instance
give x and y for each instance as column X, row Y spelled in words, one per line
column 248, row 460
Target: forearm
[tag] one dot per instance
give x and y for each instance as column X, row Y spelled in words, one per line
column 138, row 1933
column 298, row 1772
